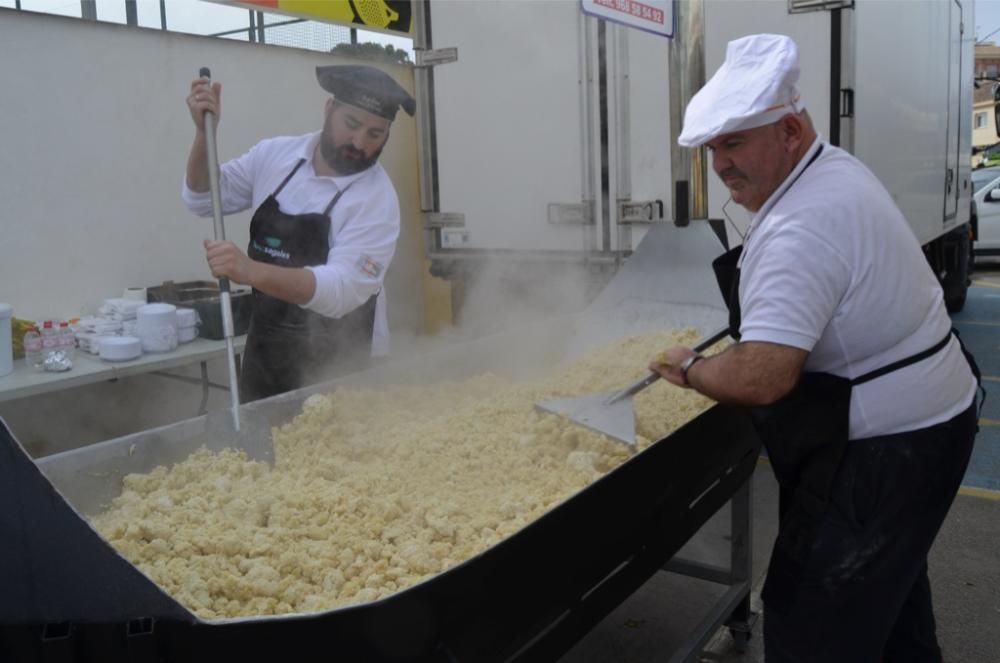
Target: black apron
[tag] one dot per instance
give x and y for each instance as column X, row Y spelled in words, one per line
column 288, row 346
column 806, row 435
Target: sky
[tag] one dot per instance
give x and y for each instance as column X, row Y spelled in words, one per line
column 988, row 20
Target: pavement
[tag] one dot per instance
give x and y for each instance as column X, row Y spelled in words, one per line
column 979, row 325
column 964, row 563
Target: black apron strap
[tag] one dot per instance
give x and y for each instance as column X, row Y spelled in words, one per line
column 920, row 356
column 906, row 361
column 288, row 177
column 975, row 371
column 329, row 208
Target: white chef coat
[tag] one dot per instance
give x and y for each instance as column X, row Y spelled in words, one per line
column 363, row 229
column 830, row 266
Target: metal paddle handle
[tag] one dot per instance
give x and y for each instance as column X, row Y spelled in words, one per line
column 220, row 234
column 642, row 383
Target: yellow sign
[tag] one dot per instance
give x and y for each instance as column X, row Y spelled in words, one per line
column 393, row 16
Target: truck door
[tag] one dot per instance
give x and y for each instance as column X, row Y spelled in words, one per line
column 639, row 64
column 515, row 126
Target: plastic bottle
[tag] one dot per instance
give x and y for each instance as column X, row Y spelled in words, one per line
column 67, row 340
column 33, row 347
column 50, row 339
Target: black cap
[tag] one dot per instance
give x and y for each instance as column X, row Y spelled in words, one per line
column 367, row 88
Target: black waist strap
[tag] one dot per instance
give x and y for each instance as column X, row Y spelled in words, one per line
column 906, row 361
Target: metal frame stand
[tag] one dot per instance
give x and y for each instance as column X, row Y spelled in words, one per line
column 205, row 383
column 733, row 608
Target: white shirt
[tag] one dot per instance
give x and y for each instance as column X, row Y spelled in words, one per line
column 830, row 266
column 364, row 222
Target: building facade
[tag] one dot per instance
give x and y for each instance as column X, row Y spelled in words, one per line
column 984, row 128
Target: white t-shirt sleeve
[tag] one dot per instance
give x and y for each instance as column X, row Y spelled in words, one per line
column 360, row 253
column 791, row 284
column 236, row 178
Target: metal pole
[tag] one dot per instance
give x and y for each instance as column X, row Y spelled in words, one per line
column 88, row 10
column 836, row 29
column 220, row 234
column 687, row 76
column 131, row 13
column 741, row 620
column 163, row 14
column 423, row 82
column 260, row 27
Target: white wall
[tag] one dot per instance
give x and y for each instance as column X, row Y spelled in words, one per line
column 94, row 136
column 93, row 141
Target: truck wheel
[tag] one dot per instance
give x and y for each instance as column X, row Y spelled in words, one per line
column 956, row 281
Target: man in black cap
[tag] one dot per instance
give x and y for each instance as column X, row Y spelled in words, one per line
column 322, row 235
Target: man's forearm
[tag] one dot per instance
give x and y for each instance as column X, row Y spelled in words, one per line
column 290, row 284
column 197, row 165
column 748, row 373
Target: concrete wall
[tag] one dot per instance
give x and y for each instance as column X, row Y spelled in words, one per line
column 94, row 136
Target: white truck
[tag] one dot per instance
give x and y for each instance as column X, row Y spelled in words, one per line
column 547, row 134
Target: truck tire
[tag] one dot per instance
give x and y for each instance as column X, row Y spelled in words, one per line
column 956, row 280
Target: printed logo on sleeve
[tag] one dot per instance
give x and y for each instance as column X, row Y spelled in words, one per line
column 370, row 266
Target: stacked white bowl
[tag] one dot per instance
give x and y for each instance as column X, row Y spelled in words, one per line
column 119, row 348
column 187, row 325
column 157, row 327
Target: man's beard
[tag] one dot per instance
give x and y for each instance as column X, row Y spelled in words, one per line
column 345, row 159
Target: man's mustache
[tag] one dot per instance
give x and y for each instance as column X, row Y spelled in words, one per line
column 732, row 172
column 351, row 152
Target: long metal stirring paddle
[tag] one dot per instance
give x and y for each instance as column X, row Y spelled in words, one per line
column 220, row 234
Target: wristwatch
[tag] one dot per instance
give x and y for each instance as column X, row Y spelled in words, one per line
column 686, row 366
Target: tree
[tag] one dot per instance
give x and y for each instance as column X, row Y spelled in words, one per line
column 372, row 51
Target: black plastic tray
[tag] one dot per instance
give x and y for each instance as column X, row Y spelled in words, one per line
column 204, row 297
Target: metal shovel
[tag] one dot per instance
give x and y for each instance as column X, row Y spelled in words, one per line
column 611, row 413
column 220, row 234
column 253, row 436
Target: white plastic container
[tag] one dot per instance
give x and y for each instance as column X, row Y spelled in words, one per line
column 120, row 348
column 187, row 334
column 6, row 340
column 187, row 325
column 157, row 327
column 186, row 317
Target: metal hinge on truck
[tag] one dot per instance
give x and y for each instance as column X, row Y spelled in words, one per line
column 431, row 57
column 640, row 211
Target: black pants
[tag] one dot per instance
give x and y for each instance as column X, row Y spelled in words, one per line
column 864, row 594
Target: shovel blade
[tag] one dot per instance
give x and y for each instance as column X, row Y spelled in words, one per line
column 253, row 437
column 616, row 420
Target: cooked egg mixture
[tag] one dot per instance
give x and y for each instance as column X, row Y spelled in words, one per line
column 375, row 490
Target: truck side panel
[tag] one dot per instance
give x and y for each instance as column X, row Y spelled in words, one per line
column 509, row 121
column 913, row 107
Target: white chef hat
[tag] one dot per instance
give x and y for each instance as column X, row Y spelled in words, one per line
column 753, row 87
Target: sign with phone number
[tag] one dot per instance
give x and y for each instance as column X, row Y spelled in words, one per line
column 656, row 16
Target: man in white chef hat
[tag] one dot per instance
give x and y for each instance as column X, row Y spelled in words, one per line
column 861, row 393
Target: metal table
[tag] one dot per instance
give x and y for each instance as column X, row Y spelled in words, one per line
column 26, row 381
